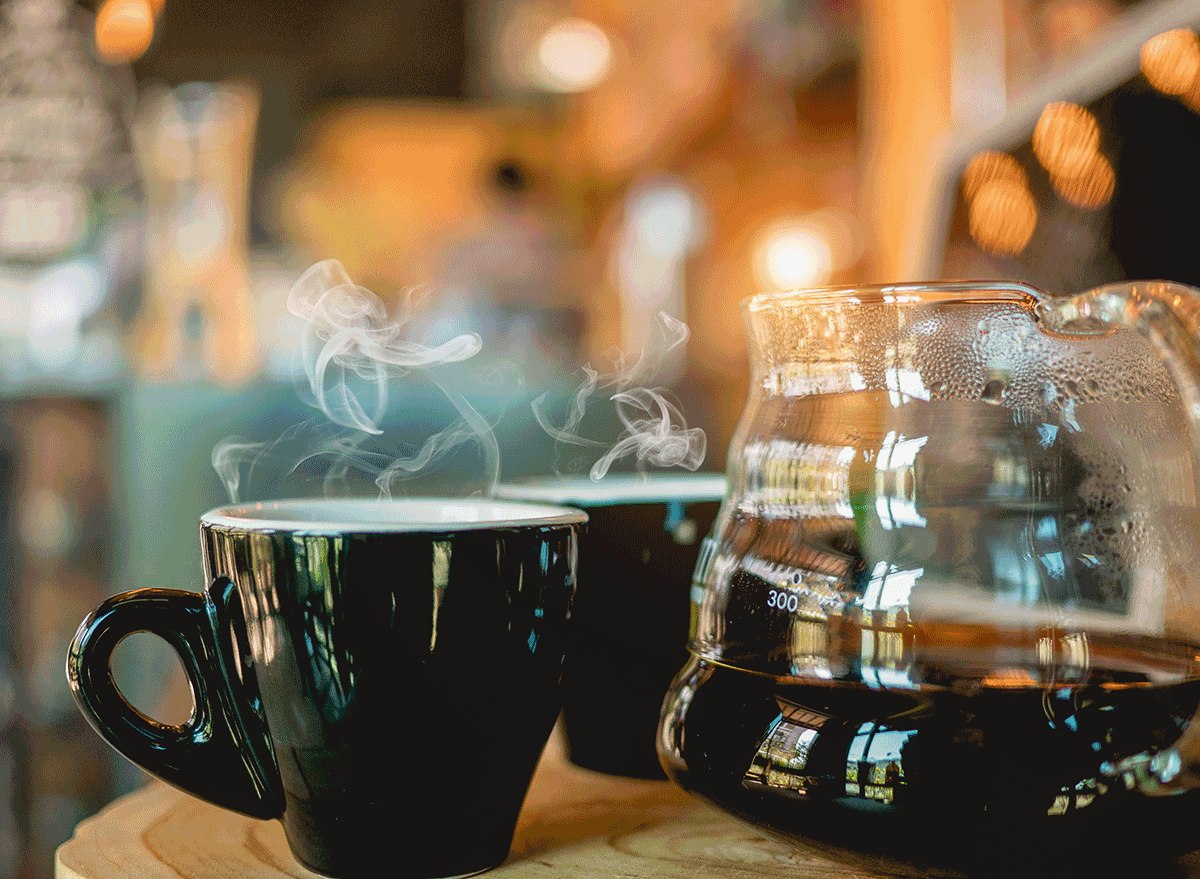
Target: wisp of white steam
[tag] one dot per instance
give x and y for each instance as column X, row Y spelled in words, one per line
column 655, row 431
column 228, row 457
column 352, row 349
column 348, row 330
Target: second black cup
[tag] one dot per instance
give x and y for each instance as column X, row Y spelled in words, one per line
column 631, row 614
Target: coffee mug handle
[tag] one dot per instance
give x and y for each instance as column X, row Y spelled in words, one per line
column 221, row 753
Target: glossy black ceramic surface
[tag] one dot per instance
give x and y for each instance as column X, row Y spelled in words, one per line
column 378, row 692
column 632, row 612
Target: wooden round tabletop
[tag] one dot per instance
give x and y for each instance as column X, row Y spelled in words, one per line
column 575, row 825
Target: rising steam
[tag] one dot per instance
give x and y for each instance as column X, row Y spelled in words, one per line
column 229, row 456
column 348, row 331
column 352, row 350
column 655, row 431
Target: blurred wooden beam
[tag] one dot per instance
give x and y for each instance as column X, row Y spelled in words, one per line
column 906, row 111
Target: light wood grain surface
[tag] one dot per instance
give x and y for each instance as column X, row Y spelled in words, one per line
column 575, row 825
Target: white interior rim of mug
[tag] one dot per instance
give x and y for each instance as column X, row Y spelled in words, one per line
column 415, row 515
column 619, row 488
column 894, row 294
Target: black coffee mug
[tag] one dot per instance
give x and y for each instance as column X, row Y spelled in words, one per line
column 632, row 614
column 381, row 676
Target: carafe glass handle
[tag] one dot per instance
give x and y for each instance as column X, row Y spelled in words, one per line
column 1168, row 315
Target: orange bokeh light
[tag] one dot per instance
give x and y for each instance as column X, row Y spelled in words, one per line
column 1092, row 189
column 1002, row 217
column 1066, row 139
column 124, row 29
column 987, row 166
column 1171, row 61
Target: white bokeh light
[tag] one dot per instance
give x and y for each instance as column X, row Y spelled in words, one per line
column 666, row 217
column 58, row 302
column 573, row 55
column 791, row 255
column 42, row 219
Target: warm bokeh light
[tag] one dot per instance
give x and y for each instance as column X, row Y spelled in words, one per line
column 1002, row 217
column 792, row 254
column 1066, row 139
column 988, row 166
column 1171, row 61
column 124, row 29
column 1091, row 189
column 842, row 232
column 573, row 55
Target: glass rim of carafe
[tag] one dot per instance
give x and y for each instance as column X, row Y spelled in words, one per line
column 902, row 293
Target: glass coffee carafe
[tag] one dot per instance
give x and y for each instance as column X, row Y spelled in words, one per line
column 949, row 615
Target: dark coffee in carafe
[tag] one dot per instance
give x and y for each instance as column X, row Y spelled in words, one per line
column 970, row 774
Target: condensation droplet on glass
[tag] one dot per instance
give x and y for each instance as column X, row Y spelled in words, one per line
column 1049, row 393
column 993, row 392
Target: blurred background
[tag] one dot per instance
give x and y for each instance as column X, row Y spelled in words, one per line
column 545, row 173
